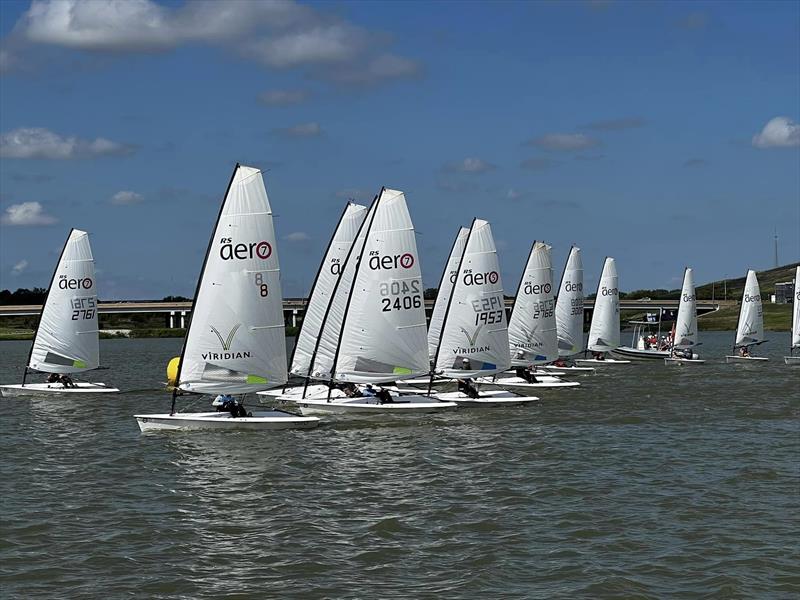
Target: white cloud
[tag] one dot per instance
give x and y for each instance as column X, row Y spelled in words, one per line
column 298, row 236
column 37, row 142
column 20, row 267
column 126, row 197
column 283, row 97
column 278, row 33
column 469, row 165
column 302, row 130
column 780, row 132
column 27, row 213
column 564, row 141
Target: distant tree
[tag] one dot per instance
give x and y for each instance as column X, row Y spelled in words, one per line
column 175, row 299
column 430, row 293
column 23, row 296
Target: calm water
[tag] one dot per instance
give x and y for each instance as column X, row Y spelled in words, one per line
column 646, row 482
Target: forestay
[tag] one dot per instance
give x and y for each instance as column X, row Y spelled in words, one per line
column 604, row 330
column 67, row 338
column 796, row 311
column 322, row 291
column 532, row 327
column 445, row 288
column 751, row 317
column 235, row 343
column 475, row 325
column 569, row 306
column 384, row 334
column 686, row 325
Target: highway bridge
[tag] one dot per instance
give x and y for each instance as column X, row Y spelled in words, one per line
column 293, row 309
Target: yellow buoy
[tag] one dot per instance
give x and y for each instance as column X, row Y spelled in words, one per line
column 172, row 371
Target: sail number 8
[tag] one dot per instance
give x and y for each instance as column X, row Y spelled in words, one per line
column 263, row 290
column 400, row 295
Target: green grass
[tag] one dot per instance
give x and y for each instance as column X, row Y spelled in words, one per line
column 777, row 317
column 11, row 333
column 735, row 287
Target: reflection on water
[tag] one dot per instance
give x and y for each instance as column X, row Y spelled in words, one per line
column 646, row 481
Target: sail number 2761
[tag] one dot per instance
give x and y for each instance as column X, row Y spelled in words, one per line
column 83, row 308
column 400, row 295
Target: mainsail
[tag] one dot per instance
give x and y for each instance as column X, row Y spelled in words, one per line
column 235, row 343
column 67, row 338
column 751, row 317
column 686, row 324
column 321, row 292
column 532, row 327
column 796, row 311
column 383, row 335
column 569, row 306
column 474, row 339
column 604, row 331
column 445, row 288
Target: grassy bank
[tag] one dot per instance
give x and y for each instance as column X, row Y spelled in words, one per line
column 777, row 317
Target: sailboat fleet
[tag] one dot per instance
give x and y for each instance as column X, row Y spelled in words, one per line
column 364, row 347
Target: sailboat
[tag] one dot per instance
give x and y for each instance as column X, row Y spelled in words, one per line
column 604, row 330
column 795, row 345
column 686, row 326
column 474, row 333
column 67, row 339
column 373, row 328
column 235, row 343
column 750, row 329
column 330, row 269
column 449, row 276
column 532, row 327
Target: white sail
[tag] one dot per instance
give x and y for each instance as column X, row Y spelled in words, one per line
column 796, row 311
column 751, row 317
column 532, row 327
column 475, row 327
column 322, row 291
column 445, row 287
column 235, row 343
column 569, row 306
column 67, row 338
column 686, row 324
column 328, row 341
column 384, row 333
column 604, row 330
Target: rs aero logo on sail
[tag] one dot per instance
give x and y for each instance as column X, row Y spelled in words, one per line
column 225, row 342
column 228, row 250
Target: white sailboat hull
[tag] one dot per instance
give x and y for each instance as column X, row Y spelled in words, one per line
column 296, row 392
column 636, row 354
column 606, row 361
column 735, row 359
column 486, row 399
column 518, row 384
column 554, row 370
column 400, row 405
column 54, row 389
column 261, row 420
column 683, row 361
column 792, row 360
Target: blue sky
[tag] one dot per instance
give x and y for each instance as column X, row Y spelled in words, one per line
column 663, row 134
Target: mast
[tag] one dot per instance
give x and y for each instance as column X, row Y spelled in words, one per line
column 314, row 284
column 353, row 284
column 450, row 302
column 197, row 289
column 46, row 296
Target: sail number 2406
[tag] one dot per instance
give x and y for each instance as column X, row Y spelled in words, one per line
column 400, row 295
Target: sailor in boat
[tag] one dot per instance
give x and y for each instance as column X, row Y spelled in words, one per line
column 560, row 362
column 64, row 380
column 384, row 396
column 229, row 404
column 350, row 390
column 598, row 355
column 744, row 352
column 369, row 391
column 465, row 385
column 526, row 374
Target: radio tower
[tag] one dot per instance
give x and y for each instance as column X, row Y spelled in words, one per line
column 776, row 248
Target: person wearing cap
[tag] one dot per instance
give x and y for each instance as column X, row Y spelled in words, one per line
column 465, row 384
